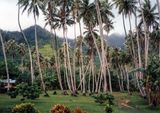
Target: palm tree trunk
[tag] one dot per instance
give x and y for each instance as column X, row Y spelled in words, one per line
column 65, row 61
column 159, row 48
column 119, row 81
column 139, row 74
column 5, row 59
column 29, row 48
column 57, row 61
column 158, row 4
column 109, row 75
column 93, row 76
column 146, row 36
column 125, row 31
column 127, row 77
column 104, row 64
column 138, row 45
column 89, row 80
column 133, row 46
column 74, row 57
column 81, row 58
column 97, row 82
column 37, row 55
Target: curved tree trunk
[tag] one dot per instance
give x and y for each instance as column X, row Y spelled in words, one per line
column 146, row 36
column 104, row 63
column 139, row 74
column 29, row 48
column 81, row 58
column 37, row 56
column 124, row 26
column 5, row 59
column 127, row 77
column 57, row 61
column 158, row 4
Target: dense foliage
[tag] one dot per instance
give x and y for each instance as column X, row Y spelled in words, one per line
column 24, row 108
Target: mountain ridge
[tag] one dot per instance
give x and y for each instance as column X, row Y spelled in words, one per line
column 114, row 40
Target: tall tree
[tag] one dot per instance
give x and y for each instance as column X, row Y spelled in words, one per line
column 29, row 48
column 148, row 18
column 5, row 59
column 34, row 6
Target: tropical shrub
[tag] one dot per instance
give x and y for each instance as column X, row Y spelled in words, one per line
column 108, row 108
column 78, row 110
column 110, row 99
column 60, row 109
column 13, row 94
column 27, row 91
column 24, row 108
column 152, row 81
column 103, row 98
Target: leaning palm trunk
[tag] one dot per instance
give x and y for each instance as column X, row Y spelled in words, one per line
column 127, row 77
column 138, row 45
column 125, row 31
column 5, row 59
column 81, row 74
column 146, row 36
column 67, row 58
column 158, row 4
column 57, row 61
column 132, row 42
column 104, row 63
column 139, row 60
column 29, row 48
column 38, row 60
column 74, row 57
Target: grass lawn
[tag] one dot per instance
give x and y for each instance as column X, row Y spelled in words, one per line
column 86, row 103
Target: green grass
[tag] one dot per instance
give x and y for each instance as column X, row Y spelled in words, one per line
column 86, row 103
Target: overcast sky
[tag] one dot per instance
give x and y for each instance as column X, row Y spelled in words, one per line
column 8, row 19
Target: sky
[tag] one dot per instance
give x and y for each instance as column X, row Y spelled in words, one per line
column 8, row 19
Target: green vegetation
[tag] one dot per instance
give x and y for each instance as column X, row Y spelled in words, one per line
column 47, row 51
column 24, row 108
column 42, row 62
column 44, row 104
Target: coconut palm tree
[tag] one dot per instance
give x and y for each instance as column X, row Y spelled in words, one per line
column 53, row 22
column 29, row 48
column 21, row 49
column 127, row 8
column 5, row 59
column 104, row 61
column 148, row 18
column 34, row 6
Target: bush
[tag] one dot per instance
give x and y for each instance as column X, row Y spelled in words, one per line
column 60, row 109
column 13, row 94
column 110, row 99
column 78, row 110
column 26, row 90
column 108, row 108
column 24, row 108
column 103, row 98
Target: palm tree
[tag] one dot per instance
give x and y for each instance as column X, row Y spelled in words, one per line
column 33, row 6
column 103, row 54
column 158, row 4
column 125, row 59
column 148, row 18
column 5, row 59
column 22, row 52
column 52, row 21
column 29, row 48
column 127, row 8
